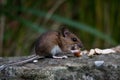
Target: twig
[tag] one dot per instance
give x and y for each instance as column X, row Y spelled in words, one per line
column 2, row 24
column 52, row 10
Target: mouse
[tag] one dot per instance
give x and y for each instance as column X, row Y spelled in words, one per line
column 53, row 44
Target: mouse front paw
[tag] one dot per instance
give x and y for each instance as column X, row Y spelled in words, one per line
column 64, row 57
column 60, row 57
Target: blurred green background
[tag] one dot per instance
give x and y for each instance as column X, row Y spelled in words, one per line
column 95, row 22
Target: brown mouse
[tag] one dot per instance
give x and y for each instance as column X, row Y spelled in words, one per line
column 53, row 43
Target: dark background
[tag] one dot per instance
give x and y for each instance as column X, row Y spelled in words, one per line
column 95, row 22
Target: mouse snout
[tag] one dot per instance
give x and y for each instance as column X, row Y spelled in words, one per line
column 75, row 46
column 80, row 45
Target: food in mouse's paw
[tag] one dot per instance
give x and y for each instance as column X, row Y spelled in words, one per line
column 76, row 50
column 77, row 54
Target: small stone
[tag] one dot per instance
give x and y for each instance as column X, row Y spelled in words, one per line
column 98, row 63
column 35, row 61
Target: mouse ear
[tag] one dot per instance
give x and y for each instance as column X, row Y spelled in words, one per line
column 65, row 31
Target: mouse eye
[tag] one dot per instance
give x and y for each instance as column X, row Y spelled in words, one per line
column 74, row 39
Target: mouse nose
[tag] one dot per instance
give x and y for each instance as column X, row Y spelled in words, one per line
column 80, row 45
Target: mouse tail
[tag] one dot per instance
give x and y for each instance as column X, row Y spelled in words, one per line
column 29, row 59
